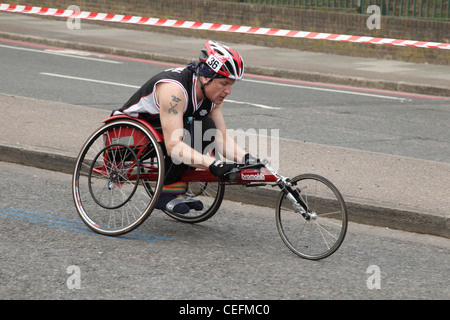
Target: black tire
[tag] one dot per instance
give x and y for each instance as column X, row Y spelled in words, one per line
column 322, row 235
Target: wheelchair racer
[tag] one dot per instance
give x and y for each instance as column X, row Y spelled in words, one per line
column 171, row 99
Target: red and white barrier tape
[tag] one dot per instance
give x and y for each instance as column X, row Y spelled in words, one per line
column 217, row 27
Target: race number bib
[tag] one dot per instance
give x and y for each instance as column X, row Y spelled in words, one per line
column 216, row 62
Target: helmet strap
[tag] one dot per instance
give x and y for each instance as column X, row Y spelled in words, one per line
column 202, row 85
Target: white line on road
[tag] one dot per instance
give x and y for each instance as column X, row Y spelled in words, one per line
column 325, row 89
column 69, row 54
column 136, row 87
column 254, row 104
column 89, row 80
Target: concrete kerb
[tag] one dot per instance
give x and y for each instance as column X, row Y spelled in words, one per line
column 257, row 70
column 38, row 157
column 405, row 219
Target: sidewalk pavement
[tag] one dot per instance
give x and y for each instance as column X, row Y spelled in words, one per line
column 391, row 191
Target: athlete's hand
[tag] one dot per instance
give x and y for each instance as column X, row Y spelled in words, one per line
column 249, row 159
column 224, row 171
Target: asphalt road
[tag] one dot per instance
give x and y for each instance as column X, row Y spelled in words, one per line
column 379, row 121
column 47, row 253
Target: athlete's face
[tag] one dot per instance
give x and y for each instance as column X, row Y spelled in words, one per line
column 218, row 89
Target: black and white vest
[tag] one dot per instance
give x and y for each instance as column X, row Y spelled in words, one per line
column 144, row 104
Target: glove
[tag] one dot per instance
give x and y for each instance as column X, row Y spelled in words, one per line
column 224, row 171
column 249, row 159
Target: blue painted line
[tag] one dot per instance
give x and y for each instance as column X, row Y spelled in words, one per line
column 44, row 215
column 68, row 223
column 151, row 235
column 37, row 219
column 16, row 217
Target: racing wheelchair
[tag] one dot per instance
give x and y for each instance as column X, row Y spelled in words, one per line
column 119, row 174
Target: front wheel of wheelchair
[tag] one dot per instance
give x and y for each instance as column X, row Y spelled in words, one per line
column 106, row 184
column 321, row 235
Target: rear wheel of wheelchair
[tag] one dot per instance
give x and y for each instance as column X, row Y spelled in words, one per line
column 106, row 183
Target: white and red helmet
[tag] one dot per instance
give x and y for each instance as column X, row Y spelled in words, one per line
column 223, row 60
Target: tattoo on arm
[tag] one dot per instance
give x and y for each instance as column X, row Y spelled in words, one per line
column 173, row 105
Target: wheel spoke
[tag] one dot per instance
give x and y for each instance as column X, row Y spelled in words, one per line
column 323, row 233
